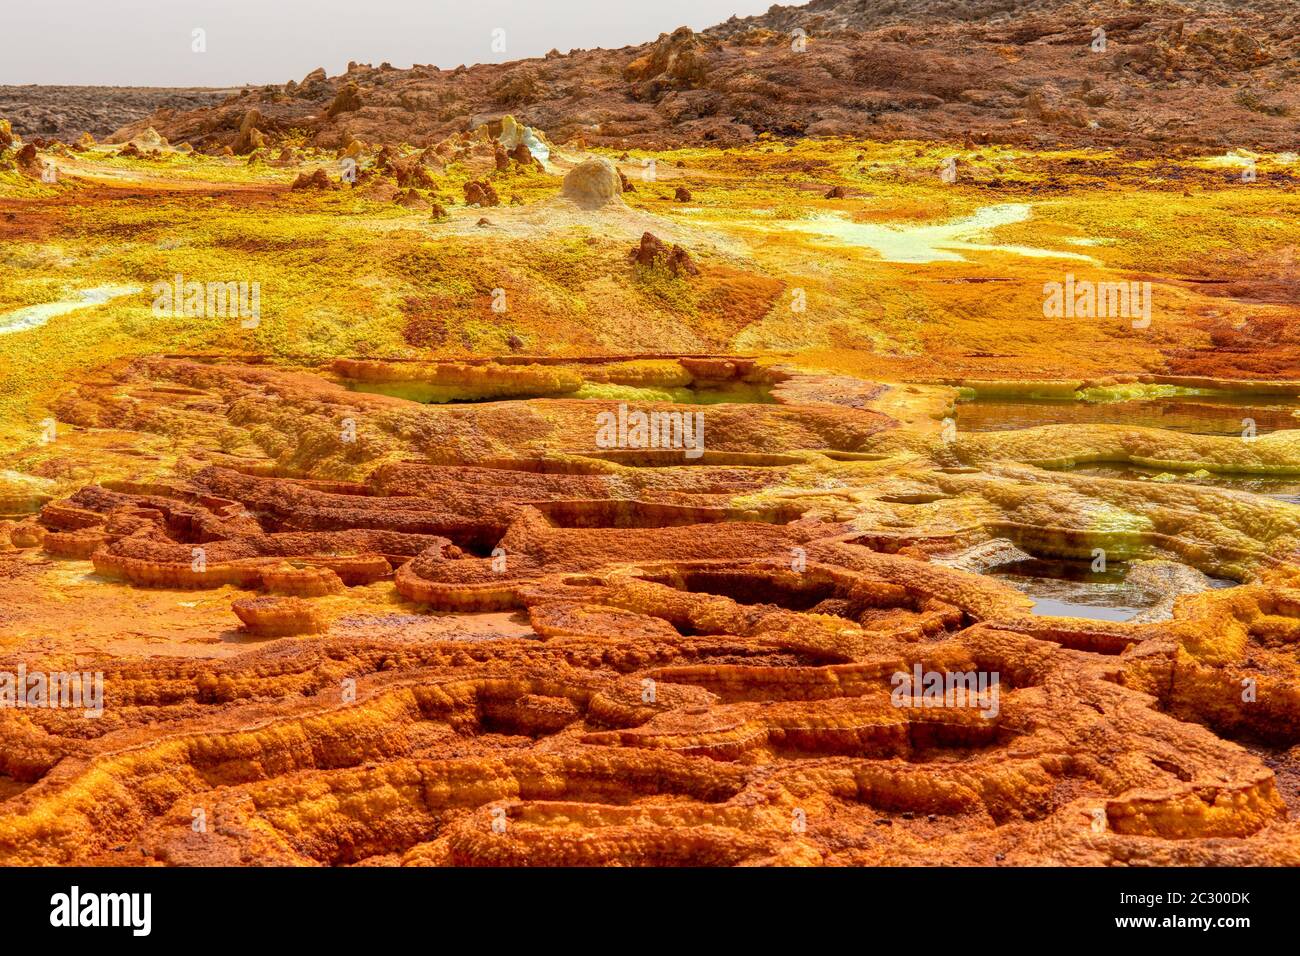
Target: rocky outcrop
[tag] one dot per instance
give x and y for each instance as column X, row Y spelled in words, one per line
column 410, row 199
column 250, row 137
column 27, row 159
column 677, row 60
column 480, row 192
column 317, row 179
column 347, row 100
column 1048, row 105
column 652, row 252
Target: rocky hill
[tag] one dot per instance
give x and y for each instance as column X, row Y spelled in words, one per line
column 65, row 112
column 829, row 16
column 1208, row 73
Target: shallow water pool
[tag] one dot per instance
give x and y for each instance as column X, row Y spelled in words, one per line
column 942, row 242
column 34, row 316
column 1073, row 589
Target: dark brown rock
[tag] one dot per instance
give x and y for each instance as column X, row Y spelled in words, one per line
column 480, row 192
column 652, row 251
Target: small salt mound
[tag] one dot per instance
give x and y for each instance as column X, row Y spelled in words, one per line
column 149, row 139
column 593, row 183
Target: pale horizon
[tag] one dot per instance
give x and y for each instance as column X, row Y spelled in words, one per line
column 252, row 42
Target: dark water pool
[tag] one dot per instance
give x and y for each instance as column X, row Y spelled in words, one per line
column 1073, row 589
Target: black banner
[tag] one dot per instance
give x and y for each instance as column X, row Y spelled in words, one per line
column 332, row 906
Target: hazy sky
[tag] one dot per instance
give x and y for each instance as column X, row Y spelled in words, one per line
column 148, row 42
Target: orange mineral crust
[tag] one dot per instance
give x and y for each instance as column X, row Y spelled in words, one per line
column 398, row 646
